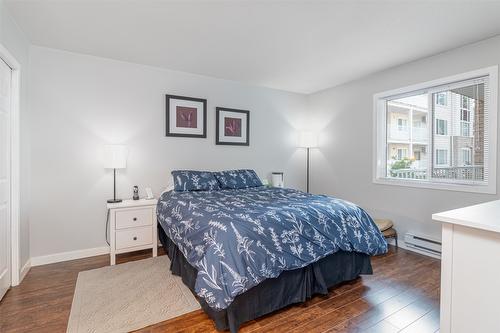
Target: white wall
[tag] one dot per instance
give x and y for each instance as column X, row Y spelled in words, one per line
column 14, row 40
column 344, row 115
column 79, row 103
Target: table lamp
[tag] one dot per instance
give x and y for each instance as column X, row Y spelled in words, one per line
column 115, row 158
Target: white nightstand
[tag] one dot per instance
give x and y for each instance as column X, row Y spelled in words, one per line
column 132, row 227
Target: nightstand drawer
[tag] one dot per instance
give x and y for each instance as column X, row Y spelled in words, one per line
column 134, row 218
column 133, row 237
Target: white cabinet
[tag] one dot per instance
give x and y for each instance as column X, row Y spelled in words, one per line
column 132, row 227
column 470, row 269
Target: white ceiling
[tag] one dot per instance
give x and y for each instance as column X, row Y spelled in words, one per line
column 300, row 46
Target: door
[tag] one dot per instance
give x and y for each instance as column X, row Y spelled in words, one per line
column 5, row 158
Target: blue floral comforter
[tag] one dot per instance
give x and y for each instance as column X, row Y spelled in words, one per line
column 238, row 238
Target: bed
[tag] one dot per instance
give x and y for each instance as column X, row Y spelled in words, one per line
column 246, row 252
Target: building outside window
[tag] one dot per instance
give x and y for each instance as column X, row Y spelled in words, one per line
column 451, row 120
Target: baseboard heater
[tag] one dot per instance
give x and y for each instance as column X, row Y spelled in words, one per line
column 423, row 244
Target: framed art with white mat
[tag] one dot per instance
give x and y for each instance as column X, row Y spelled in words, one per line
column 186, row 116
column 232, row 127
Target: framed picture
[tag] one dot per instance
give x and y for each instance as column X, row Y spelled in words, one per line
column 232, row 127
column 186, row 116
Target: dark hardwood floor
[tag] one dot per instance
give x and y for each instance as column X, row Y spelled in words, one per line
column 401, row 296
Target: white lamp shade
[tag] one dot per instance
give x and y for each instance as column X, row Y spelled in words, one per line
column 308, row 139
column 115, row 157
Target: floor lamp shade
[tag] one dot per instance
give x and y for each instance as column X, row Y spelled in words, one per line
column 115, row 157
column 307, row 139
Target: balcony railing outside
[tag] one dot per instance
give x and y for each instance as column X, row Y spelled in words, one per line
column 458, row 173
column 462, row 173
column 399, row 133
column 409, row 173
column 402, row 133
column 419, row 134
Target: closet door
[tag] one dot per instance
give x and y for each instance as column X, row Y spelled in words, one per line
column 5, row 161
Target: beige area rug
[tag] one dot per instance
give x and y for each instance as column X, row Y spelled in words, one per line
column 128, row 296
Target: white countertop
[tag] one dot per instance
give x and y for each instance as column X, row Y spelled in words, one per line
column 485, row 216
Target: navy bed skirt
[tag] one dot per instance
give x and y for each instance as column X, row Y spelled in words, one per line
column 290, row 287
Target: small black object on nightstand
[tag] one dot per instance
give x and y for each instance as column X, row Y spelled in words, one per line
column 136, row 193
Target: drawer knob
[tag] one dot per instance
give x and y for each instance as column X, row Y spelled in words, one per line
column 135, row 219
column 135, row 238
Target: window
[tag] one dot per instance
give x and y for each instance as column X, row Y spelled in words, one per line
column 402, row 124
column 441, row 99
column 416, row 155
column 441, row 157
column 464, row 115
column 466, row 156
column 465, row 102
column 464, row 128
column 441, row 127
column 402, row 153
column 453, row 149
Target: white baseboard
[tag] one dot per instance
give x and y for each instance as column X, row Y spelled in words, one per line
column 71, row 255
column 24, row 270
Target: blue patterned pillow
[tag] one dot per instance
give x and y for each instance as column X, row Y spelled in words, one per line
column 234, row 179
column 188, row 180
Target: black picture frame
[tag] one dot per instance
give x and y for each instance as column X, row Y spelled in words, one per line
column 167, row 116
column 217, row 122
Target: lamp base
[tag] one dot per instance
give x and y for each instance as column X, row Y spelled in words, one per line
column 114, row 200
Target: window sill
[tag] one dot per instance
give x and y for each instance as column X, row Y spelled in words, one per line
column 472, row 188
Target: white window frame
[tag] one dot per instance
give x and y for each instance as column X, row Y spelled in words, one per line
column 380, row 134
column 404, row 153
column 445, row 98
column 404, row 125
column 463, row 152
column 466, row 107
column 445, row 128
column 446, row 157
column 462, row 127
column 467, row 112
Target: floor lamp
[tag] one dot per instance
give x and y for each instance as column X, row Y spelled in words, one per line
column 115, row 158
column 307, row 140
